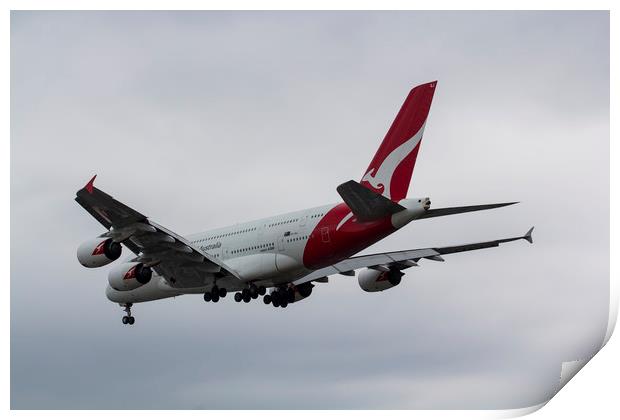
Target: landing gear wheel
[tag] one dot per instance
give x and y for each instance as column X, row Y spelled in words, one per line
column 284, row 304
column 215, row 294
column 238, row 297
column 128, row 319
column 275, row 303
column 267, row 299
column 254, row 295
column 253, row 289
column 282, row 296
column 262, row 290
column 247, row 298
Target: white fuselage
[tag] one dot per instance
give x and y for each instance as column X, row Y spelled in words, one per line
column 266, row 251
column 279, row 249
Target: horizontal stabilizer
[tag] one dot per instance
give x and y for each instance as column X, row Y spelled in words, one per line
column 446, row 211
column 365, row 204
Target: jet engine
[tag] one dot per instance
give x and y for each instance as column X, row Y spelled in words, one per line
column 371, row 280
column 98, row 252
column 129, row 276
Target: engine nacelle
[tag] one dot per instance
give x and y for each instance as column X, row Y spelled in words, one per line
column 98, row 252
column 377, row 281
column 129, row 276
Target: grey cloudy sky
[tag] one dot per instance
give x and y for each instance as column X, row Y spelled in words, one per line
column 202, row 119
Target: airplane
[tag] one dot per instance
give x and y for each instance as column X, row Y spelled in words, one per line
column 283, row 257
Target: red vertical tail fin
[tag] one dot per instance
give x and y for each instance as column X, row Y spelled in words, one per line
column 389, row 172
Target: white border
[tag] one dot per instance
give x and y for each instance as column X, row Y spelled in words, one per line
column 595, row 391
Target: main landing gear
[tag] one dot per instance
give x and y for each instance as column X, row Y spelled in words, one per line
column 250, row 293
column 215, row 294
column 280, row 297
column 128, row 319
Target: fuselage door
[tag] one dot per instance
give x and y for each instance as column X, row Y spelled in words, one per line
column 259, row 232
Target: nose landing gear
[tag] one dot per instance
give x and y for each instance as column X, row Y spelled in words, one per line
column 128, row 319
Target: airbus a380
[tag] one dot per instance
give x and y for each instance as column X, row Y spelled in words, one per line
column 280, row 258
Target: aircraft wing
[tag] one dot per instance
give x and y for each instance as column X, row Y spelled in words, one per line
column 169, row 254
column 400, row 259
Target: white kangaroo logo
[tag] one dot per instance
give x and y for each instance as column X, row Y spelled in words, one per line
column 383, row 176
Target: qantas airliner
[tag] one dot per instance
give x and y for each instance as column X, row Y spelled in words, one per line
column 280, row 258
